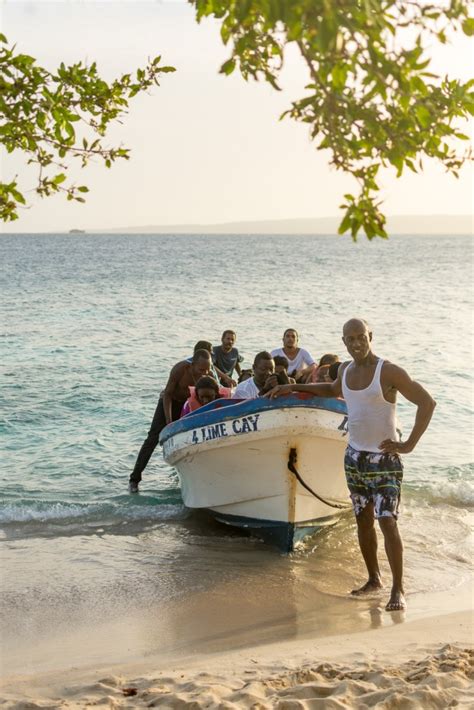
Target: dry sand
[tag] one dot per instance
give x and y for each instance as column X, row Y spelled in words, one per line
column 406, row 663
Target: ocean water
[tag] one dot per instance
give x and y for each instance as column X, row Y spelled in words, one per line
column 91, row 325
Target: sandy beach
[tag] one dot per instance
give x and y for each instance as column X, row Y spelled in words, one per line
column 421, row 658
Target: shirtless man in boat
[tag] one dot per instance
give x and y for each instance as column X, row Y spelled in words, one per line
column 372, row 461
column 169, row 407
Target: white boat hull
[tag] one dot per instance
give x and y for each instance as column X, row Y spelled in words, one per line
column 234, row 463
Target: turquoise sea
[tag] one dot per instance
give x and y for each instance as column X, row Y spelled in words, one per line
column 91, row 325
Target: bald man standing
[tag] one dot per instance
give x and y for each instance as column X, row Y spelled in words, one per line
column 372, row 463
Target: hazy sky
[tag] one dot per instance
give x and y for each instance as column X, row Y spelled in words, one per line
column 205, row 148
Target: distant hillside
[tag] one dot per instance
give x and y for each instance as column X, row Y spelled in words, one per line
column 399, row 224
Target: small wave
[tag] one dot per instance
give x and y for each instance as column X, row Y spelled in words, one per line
column 64, row 513
column 20, row 513
column 454, row 486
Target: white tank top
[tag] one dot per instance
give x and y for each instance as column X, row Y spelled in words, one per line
column 371, row 419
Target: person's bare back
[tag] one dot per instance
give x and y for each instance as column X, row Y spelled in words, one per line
column 180, row 379
column 183, row 375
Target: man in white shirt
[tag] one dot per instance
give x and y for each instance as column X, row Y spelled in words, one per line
column 263, row 379
column 300, row 361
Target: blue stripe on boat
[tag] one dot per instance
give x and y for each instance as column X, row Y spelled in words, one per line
column 222, row 410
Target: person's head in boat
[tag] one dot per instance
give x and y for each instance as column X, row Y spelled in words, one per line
column 357, row 338
column 201, row 363
column 328, row 359
column 333, row 371
column 263, row 367
column 281, row 364
column 290, row 339
column 203, row 345
column 207, row 390
column 325, row 362
column 245, row 375
column 281, row 369
column 228, row 340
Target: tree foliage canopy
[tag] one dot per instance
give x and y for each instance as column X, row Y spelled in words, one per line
column 51, row 117
column 371, row 99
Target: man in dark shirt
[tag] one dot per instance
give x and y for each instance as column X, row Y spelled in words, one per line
column 226, row 358
column 169, row 407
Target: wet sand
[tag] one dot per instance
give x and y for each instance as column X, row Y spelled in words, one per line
column 202, row 617
column 342, row 653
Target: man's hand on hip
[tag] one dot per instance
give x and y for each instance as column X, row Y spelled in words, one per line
column 395, row 447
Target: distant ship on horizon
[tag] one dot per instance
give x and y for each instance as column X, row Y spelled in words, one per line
column 77, row 231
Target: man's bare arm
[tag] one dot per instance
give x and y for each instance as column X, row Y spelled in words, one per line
column 323, row 389
column 304, row 372
column 170, row 389
column 226, row 379
column 399, row 380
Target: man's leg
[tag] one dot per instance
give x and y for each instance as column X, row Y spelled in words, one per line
column 368, row 546
column 148, row 447
column 394, row 550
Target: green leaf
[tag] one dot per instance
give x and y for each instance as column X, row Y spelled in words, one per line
column 17, row 196
column 228, row 67
column 345, row 224
column 70, row 131
column 423, row 116
column 339, row 76
column 41, row 120
column 468, row 26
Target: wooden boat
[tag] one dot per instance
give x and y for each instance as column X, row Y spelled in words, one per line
column 275, row 467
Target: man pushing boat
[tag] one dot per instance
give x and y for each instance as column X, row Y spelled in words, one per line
column 169, row 407
column 372, row 463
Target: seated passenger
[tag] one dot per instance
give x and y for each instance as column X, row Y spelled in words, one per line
column 300, row 361
column 263, row 379
column 226, row 358
column 245, row 375
column 321, row 373
column 205, row 391
column 281, row 370
column 333, row 371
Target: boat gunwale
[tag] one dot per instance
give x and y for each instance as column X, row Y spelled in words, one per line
column 210, row 414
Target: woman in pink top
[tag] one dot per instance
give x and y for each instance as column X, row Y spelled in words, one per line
column 205, row 391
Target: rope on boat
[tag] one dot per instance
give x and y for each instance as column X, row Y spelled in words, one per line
column 292, row 468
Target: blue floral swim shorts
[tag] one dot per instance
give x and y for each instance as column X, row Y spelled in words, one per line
column 376, row 478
